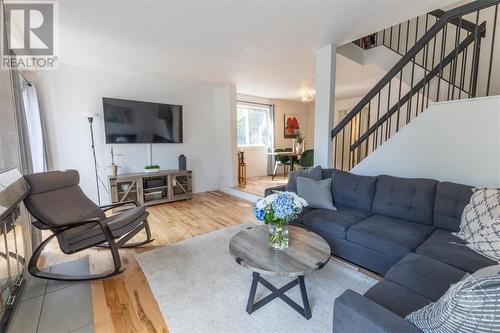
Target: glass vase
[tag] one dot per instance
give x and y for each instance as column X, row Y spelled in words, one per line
column 278, row 237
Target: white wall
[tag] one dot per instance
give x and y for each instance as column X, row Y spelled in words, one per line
column 324, row 109
column 67, row 93
column 256, row 160
column 310, row 126
column 456, row 141
column 385, row 58
column 344, row 106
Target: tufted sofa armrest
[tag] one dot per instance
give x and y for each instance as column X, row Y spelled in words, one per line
column 355, row 313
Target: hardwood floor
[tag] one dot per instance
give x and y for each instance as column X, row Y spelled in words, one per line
column 125, row 303
column 257, row 185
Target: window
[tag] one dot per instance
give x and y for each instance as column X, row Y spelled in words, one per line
column 253, row 124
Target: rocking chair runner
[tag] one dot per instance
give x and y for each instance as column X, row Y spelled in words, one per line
column 58, row 204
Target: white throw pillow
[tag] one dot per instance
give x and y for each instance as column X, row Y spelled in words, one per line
column 483, row 209
column 487, row 241
column 470, row 305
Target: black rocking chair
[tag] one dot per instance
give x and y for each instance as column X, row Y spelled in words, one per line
column 58, row 204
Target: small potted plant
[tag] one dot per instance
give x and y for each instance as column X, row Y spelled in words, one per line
column 114, row 167
column 276, row 210
column 151, row 168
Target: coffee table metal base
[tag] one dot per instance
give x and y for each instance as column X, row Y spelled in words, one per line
column 275, row 292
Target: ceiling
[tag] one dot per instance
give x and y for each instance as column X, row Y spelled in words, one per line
column 265, row 47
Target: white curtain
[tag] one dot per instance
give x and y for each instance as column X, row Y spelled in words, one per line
column 270, row 140
column 34, row 126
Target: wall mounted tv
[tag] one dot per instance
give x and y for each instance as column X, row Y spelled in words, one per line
column 141, row 122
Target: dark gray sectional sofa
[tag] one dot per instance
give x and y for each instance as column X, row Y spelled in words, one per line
column 402, row 229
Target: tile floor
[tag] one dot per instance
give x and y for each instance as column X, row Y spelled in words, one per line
column 53, row 306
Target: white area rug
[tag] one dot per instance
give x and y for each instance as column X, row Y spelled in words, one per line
column 200, row 288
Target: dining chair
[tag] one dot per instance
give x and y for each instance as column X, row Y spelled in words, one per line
column 306, row 160
column 292, row 159
column 281, row 161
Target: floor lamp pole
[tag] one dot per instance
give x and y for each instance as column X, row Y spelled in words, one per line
column 91, row 121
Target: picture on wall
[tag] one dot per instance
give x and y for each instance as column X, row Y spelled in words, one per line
column 291, row 126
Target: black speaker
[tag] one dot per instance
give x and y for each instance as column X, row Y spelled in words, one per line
column 182, row 162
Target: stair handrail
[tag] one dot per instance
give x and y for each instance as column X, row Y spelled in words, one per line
column 460, row 23
column 412, row 52
column 446, row 60
column 463, row 24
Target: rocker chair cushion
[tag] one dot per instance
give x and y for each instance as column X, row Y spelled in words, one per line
column 58, row 204
column 56, row 199
column 120, row 224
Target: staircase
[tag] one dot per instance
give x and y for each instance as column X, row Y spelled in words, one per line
column 444, row 55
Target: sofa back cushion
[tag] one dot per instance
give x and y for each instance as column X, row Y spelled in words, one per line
column 327, row 173
column 353, row 191
column 449, row 205
column 313, row 173
column 405, row 198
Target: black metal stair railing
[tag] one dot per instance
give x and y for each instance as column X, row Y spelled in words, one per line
column 444, row 56
column 401, row 37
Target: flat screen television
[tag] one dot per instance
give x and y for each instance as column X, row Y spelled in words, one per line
column 141, row 122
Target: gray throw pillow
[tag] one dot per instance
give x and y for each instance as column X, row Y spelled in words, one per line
column 470, row 305
column 316, row 192
column 315, row 173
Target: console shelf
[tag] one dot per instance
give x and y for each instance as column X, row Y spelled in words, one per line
column 151, row 188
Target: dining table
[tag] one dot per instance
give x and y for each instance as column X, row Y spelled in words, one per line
column 291, row 154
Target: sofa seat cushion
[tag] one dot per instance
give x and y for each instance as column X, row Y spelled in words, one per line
column 424, row 276
column 300, row 217
column 390, row 236
column 331, row 222
column 400, row 300
column 470, row 305
column 445, row 247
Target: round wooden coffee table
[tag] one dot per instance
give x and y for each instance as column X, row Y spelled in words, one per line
column 307, row 252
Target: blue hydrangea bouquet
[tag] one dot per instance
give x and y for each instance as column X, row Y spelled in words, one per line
column 276, row 210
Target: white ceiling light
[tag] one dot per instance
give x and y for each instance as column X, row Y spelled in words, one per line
column 307, row 96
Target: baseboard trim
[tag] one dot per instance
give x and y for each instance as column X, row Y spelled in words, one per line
column 240, row 194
